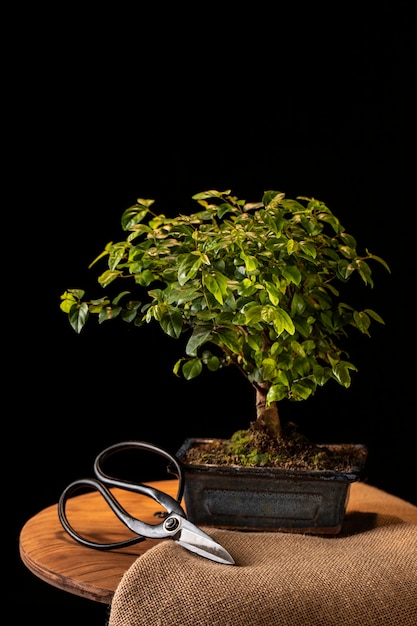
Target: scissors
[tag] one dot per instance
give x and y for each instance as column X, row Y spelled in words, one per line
column 175, row 525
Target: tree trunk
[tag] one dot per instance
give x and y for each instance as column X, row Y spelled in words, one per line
column 267, row 418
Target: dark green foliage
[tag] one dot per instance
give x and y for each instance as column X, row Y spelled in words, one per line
column 258, row 286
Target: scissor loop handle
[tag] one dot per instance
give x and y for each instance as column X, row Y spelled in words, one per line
column 111, row 501
column 157, row 495
column 167, row 528
column 103, row 482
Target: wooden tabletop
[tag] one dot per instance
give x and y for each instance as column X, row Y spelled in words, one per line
column 53, row 556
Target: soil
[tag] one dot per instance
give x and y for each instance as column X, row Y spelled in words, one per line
column 253, row 448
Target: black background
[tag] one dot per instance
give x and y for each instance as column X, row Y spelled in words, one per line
column 162, row 104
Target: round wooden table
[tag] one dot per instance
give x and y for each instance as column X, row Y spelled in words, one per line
column 53, row 556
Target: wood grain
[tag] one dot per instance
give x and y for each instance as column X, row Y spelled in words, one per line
column 53, row 556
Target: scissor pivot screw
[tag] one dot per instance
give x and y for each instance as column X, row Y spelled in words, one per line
column 171, row 524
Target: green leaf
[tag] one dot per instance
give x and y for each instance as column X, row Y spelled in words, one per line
column 181, row 295
column 101, row 255
column 309, row 346
column 321, row 374
column 378, row 258
column 69, row 298
column 282, row 321
column 229, row 338
column 108, row 277
column 273, row 293
column 223, row 209
column 205, row 195
column 269, row 368
column 303, row 327
column 282, row 378
column 254, row 342
column 273, row 198
column 121, row 295
column 137, row 231
column 362, row 321
column 292, row 273
column 341, row 373
column 131, row 311
column 253, row 314
column 292, row 246
column 297, row 348
column 216, row 284
column 95, row 306
column 246, row 288
column 276, row 393
column 199, row 336
column 73, row 295
column 188, row 268
column 348, row 240
column 144, row 278
column 374, row 316
column 332, row 220
column 171, row 322
column 308, row 249
column 250, row 262
column 302, row 390
column 298, row 305
column 210, row 360
column 136, row 213
column 108, row 313
column 176, row 367
column 348, row 252
column 117, row 252
column 78, row 316
column 191, row 369
column 301, row 366
column 268, row 220
column 345, row 269
column 365, row 272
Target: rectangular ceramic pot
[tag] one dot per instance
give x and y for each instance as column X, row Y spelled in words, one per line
column 261, row 498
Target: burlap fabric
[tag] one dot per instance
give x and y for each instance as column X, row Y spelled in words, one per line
column 367, row 575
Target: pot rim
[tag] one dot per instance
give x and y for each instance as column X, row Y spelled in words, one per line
column 345, row 476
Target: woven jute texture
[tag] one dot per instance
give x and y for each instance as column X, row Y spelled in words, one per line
column 366, row 575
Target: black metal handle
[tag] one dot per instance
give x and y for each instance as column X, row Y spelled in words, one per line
column 157, row 495
column 103, row 482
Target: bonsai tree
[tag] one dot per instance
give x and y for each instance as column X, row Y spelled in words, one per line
column 253, row 285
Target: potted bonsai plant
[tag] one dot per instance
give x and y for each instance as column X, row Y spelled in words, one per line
column 257, row 286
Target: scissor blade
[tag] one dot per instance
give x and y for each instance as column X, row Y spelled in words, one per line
column 195, row 540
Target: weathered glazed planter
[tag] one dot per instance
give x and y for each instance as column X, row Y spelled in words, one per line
column 269, row 499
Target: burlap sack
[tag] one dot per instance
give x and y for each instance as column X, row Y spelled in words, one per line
column 367, row 575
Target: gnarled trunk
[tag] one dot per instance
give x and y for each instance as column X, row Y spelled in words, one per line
column 267, row 417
